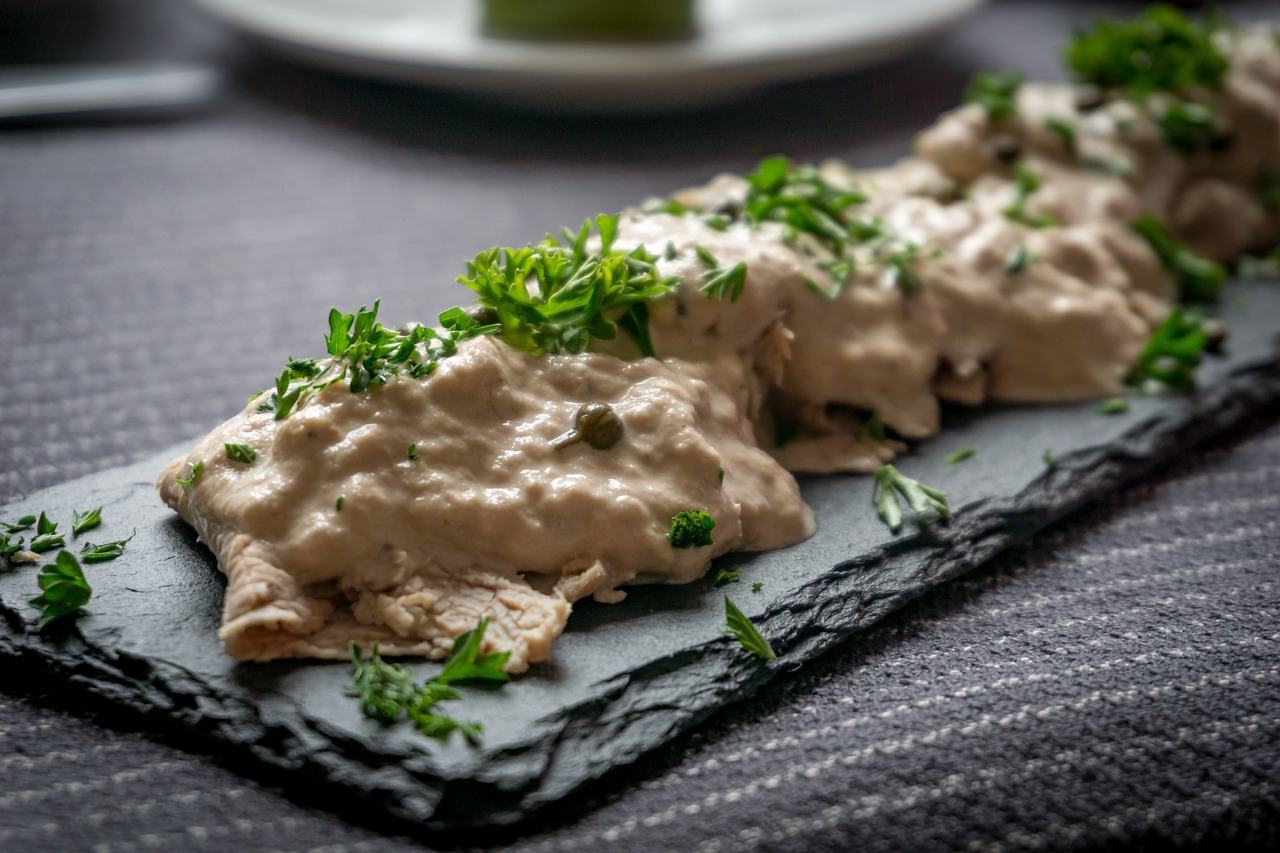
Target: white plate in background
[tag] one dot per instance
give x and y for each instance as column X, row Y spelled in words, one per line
column 741, row 45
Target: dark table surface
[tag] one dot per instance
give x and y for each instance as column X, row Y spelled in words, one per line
column 1113, row 685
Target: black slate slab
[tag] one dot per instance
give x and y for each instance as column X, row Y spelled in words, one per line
column 626, row 678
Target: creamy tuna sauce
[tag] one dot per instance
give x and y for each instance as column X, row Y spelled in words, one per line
column 1005, row 268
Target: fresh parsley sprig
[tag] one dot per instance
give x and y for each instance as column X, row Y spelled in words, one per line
column 740, row 626
column 64, row 590
column 893, row 487
column 1187, row 126
column 553, row 298
column 364, row 353
column 388, row 692
column 1199, row 278
column 1158, row 50
column 87, row 520
column 92, row 553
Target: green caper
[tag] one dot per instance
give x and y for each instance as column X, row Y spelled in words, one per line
column 595, row 423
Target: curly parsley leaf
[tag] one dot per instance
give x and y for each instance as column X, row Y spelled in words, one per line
column 553, row 298
column 388, row 692
column 1113, row 406
column 721, row 282
column 691, row 529
column 958, row 456
column 86, row 520
column 1199, row 278
column 465, row 663
column 740, row 626
column 92, row 553
column 893, row 488
column 1065, row 131
column 997, row 93
column 64, row 589
column 1158, row 50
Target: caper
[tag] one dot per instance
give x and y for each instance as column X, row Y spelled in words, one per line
column 595, row 423
column 1004, row 148
column 1090, row 98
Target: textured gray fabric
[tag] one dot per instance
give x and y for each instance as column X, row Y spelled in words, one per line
column 1113, row 686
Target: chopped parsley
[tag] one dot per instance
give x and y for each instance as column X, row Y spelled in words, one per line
column 740, row 626
column 1169, row 359
column 64, row 590
column 1026, row 182
column 691, row 529
column 1158, row 50
column 47, row 536
column 958, row 456
column 724, row 577
column 1049, row 459
column 413, row 453
column 241, row 453
column 757, row 586
column 197, row 468
column 1019, row 259
column 92, row 553
column 1199, row 278
column 339, row 503
column 995, row 93
column 86, row 520
column 721, row 282
column 388, row 692
column 1114, row 406
column 578, row 295
column 21, row 524
column 1065, row 131
column 1186, row 126
column 892, row 488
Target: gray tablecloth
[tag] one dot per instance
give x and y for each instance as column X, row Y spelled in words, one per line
column 1114, row 685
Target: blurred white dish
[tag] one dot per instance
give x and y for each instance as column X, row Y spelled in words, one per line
column 743, row 44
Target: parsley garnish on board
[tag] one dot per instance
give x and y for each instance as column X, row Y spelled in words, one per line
column 1159, row 50
column 1114, row 406
column 740, row 626
column 92, row 553
column 958, row 456
column 724, row 577
column 997, row 93
column 64, row 589
column 87, row 520
column 1172, row 353
column 691, row 529
column 577, row 295
column 1199, row 278
column 388, row 691
column 893, row 487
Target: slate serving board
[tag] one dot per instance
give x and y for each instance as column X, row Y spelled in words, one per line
column 626, row 678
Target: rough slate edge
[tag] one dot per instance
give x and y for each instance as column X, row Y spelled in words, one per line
column 652, row 704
